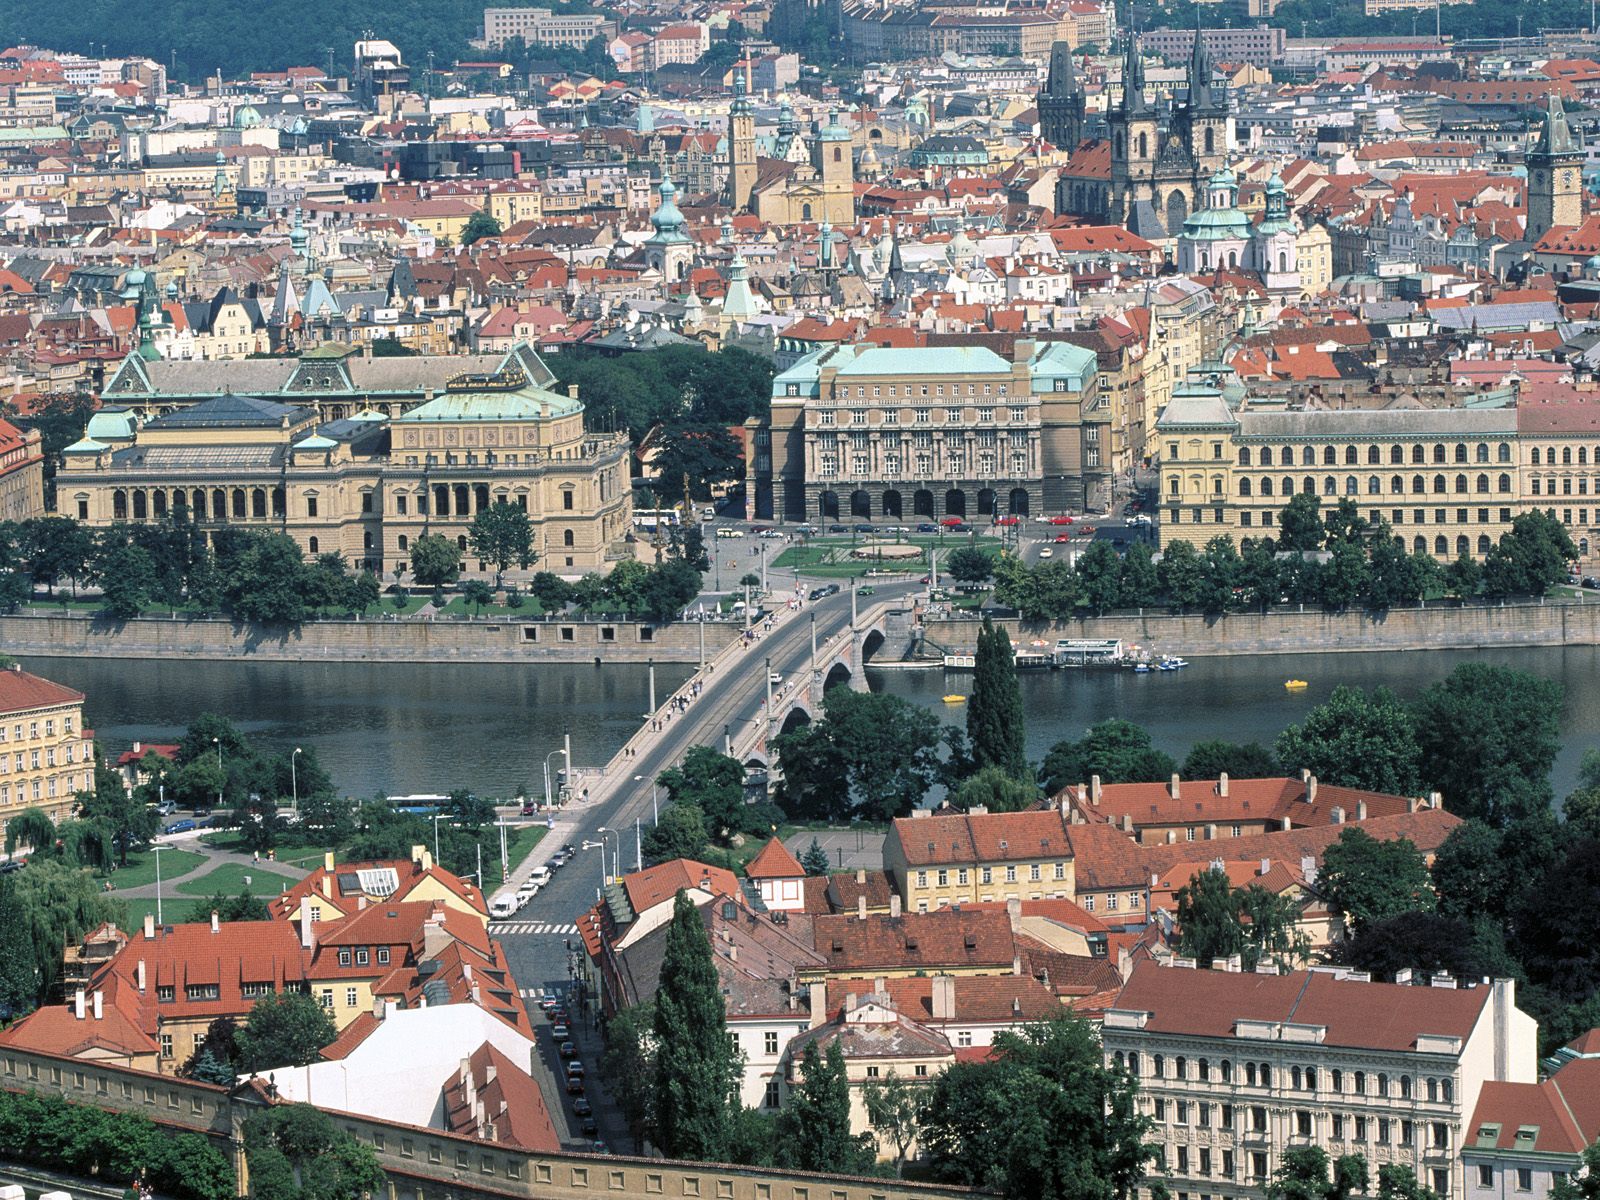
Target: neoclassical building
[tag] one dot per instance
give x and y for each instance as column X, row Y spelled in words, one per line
column 367, row 483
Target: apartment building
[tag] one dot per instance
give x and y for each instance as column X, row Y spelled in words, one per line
column 46, row 755
column 1260, row 46
column 1234, row 1069
column 21, row 473
column 939, row 861
column 1525, row 1137
column 542, row 27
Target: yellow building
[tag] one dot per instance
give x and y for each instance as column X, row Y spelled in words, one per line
column 46, row 755
column 367, row 486
column 939, row 861
column 783, row 192
column 21, row 473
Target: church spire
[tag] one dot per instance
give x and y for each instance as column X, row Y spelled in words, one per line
column 1202, row 95
column 1555, row 135
column 1133, row 97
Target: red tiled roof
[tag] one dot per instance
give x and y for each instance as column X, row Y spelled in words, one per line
column 651, row 886
column 947, row 937
column 774, row 862
column 20, row 691
column 1563, row 1109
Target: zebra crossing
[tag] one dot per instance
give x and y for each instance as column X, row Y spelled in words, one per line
column 499, row 928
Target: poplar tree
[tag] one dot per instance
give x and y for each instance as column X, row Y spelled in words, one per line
column 694, row 1066
column 994, row 710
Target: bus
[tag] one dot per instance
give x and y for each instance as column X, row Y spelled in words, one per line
column 655, row 518
column 422, row 805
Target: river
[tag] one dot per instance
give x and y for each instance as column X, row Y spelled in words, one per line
column 406, row 728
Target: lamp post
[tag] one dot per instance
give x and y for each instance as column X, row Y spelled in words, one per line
column 558, row 750
column 156, row 850
column 222, row 778
column 602, row 847
column 616, row 857
column 436, row 817
column 294, row 779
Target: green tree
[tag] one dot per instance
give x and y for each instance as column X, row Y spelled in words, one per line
column 1140, row 582
column 703, row 454
column 131, row 821
column 1116, row 750
column 814, row 1126
column 1488, row 737
column 1303, row 1174
column 553, row 592
column 127, row 579
column 1463, row 577
column 1344, row 577
column 1583, row 1184
column 1182, row 574
column 1469, row 873
column 1260, row 575
column 477, row 593
column 627, row 1064
column 815, row 859
column 502, row 534
column 1071, row 1129
column 55, row 548
column 296, row 1152
column 1216, row 758
column 995, row 722
column 695, row 1069
column 997, row 790
column 54, row 904
column 1366, row 880
column 967, row 564
column 1397, row 1182
column 1345, row 524
column 680, row 833
column 19, row 972
column 713, row 783
column 266, row 582
column 480, row 225
column 1392, row 576
column 435, row 560
column 1099, row 577
column 284, row 1031
column 1300, row 527
column 31, row 829
column 894, row 1110
column 1530, row 557
column 1356, row 740
column 1427, row 943
column 243, row 907
column 1217, row 920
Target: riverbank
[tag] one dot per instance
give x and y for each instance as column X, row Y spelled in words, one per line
column 486, row 641
column 1437, row 627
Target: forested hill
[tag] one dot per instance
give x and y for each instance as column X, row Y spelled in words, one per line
column 239, row 36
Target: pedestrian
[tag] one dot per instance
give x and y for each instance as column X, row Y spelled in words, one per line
column 255, row 856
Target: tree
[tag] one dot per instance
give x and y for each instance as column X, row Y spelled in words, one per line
column 1530, row 557
column 553, row 592
column 53, row 904
column 1304, row 1175
column 1470, row 875
column 1344, row 577
column 1222, row 571
column 1392, row 575
column 1214, row 759
column 55, row 547
column 894, row 1110
column 668, row 589
column 435, row 560
column 1217, row 920
column 968, row 564
column 1397, row 1182
column 1116, row 750
column 19, row 973
column 815, row 859
column 1099, row 577
column 266, row 582
column 1463, row 577
column 1356, row 740
column 131, row 821
column 627, row 1064
column 995, row 724
column 480, row 225
column 1426, row 943
column 243, row 907
column 32, row 829
column 713, row 783
column 1070, row 1127
column 284, row 1031
column 1366, row 880
column 695, row 1069
column 1182, row 576
column 1345, row 524
column 814, row 786
column 296, row 1152
column 477, row 593
column 1300, row 527
column 1140, row 582
column 1488, row 737
column 701, row 453
column 680, row 833
column 996, row 790
column 1583, row 1184
column 127, row 579
column 502, row 534
column 814, row 1126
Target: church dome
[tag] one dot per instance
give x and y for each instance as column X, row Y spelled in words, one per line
column 246, row 117
column 833, row 131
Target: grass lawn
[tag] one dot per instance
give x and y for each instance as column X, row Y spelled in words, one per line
column 305, row 857
column 141, row 868
column 458, row 607
column 830, row 558
column 44, row 607
column 518, row 843
column 172, row 908
column 229, row 879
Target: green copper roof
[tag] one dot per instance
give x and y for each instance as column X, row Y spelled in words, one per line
column 86, row 446
column 525, row 404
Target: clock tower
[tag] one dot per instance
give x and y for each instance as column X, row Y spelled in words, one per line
column 1555, row 174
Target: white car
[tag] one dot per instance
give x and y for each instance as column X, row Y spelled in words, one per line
column 1046, row 552
column 503, row 906
column 774, row 677
column 539, row 877
column 728, row 531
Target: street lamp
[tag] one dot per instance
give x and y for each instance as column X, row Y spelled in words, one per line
column 547, row 758
column 156, row 850
column 655, row 814
column 294, row 780
column 221, row 778
column 616, row 856
column 601, row 845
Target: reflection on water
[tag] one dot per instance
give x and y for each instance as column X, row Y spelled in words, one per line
column 412, row 727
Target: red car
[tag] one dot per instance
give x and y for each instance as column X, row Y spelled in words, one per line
column 1005, row 520
column 1061, row 520
column 949, row 521
column 1063, row 537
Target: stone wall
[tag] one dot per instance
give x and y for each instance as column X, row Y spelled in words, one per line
column 1436, row 627
column 367, row 641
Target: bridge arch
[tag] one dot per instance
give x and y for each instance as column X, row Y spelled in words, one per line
column 838, row 674
column 796, row 718
column 871, row 643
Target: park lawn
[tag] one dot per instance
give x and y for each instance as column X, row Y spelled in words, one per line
column 305, row 857
column 141, row 868
column 229, row 879
column 411, row 604
column 458, row 607
column 519, row 843
column 172, row 908
column 818, row 557
column 59, row 606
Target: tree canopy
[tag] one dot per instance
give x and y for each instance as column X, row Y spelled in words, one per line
column 695, row 1070
column 1356, row 740
column 1116, row 750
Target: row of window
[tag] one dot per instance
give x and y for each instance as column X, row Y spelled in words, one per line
column 33, row 730
column 986, row 874
column 41, row 789
column 919, row 416
column 362, row 955
column 910, row 390
column 1295, row 1078
column 1397, row 486
column 955, row 465
column 15, row 762
column 1263, row 456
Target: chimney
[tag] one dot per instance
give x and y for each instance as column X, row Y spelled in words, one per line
column 819, row 1003
column 894, row 904
column 1014, row 912
column 1285, row 824
column 1266, row 865
column 880, row 986
column 327, row 861
column 572, row 390
column 1411, row 804
column 361, row 903
column 1311, row 789
column 77, row 1004
column 1361, row 810
column 1173, row 786
column 1403, row 976
column 1127, row 822
column 308, row 935
column 1094, row 789
column 1222, row 784
column 1016, row 964
column 1442, row 980
column 138, row 749
column 944, row 997
column 215, row 921
column 139, row 975
column 861, row 874
column 1305, row 774
column 98, row 1000
column 733, row 953
column 327, row 885
column 861, row 908
column 149, row 926
column 1435, row 800
column 849, row 1002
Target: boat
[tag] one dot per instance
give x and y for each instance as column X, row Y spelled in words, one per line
column 1141, row 668
column 1295, row 685
column 954, row 698
column 1168, row 666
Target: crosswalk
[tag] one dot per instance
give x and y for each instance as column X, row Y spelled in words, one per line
column 499, row 929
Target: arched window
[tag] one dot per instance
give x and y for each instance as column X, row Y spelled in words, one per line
column 566, row 537
column 1158, row 1066
column 1483, row 484
column 1374, row 486
column 1244, row 456
column 1405, row 1087
column 140, row 506
column 1461, row 545
column 1397, row 455
column 238, row 503
column 1461, row 452
column 1266, row 456
column 1417, row 485
column 1330, row 486
column 1244, row 487
column 1210, row 140
column 1294, row 1078
column 461, row 543
column 1283, row 259
column 1203, row 1071
column 1433, row 1090
column 1309, row 486
column 1250, row 1074
column 1144, row 145
column 1536, row 456
column 159, row 499
column 1483, row 543
column 404, row 542
column 1117, row 1058
column 1503, row 483
column 1397, row 485
column 1374, row 456
column 1483, row 452
column 1227, row 1070
column 1266, row 1075
column 1266, row 487
column 1446, row 1090
column 1351, row 487
column 1504, row 453
column 1351, row 456
column 1417, row 455
column 1583, row 456
column 258, row 502
column 1461, row 484
column 1383, row 1085
column 1420, row 544
column 1330, row 456
column 1440, row 546
column 1180, row 1067
column 311, row 543
column 1566, row 456
column 1438, row 483
column 1311, row 1079
column 1287, row 457
column 1438, row 454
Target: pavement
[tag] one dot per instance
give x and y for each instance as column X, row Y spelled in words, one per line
column 847, row 849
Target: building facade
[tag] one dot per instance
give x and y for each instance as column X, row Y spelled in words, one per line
column 1235, row 1069
column 46, row 755
column 367, row 485
column 542, row 27
column 874, row 432
column 21, row 473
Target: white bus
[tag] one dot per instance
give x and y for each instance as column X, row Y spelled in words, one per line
column 655, row 518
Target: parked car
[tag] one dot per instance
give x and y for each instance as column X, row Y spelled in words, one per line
column 183, row 826
column 1047, row 552
column 560, row 1032
column 951, row 522
column 540, row 876
column 568, row 1049
column 807, row 531
column 866, row 529
column 167, row 807
column 1061, row 520
column 866, row 591
column 728, row 531
column 588, row 1127
column 582, row 1107
column 14, row 864
column 574, row 1085
column 927, row 527
column 1009, row 520
column 837, row 529
column 502, row 906
column 526, row 892
column 770, row 533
